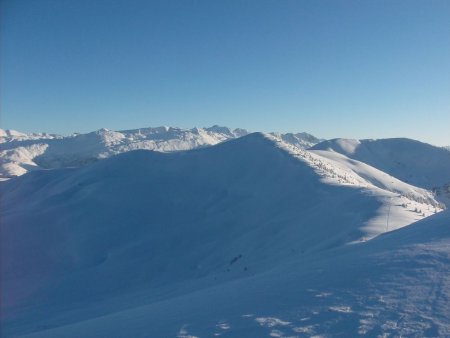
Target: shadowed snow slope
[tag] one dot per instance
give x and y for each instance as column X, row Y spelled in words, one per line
column 395, row 285
column 242, row 239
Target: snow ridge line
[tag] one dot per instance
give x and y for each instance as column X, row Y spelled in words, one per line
column 340, row 176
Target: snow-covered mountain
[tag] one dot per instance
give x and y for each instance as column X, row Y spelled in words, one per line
column 248, row 238
column 20, row 153
column 411, row 161
column 13, row 135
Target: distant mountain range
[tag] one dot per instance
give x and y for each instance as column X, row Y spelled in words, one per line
column 407, row 160
column 20, row 152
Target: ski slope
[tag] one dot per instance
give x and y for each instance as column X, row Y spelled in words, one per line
column 251, row 237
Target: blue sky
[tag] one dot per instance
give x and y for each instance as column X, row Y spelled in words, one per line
column 358, row 69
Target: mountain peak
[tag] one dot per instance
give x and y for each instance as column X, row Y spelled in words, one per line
column 79, row 149
column 219, row 129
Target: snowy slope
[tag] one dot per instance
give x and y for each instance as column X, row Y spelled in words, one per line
column 411, row 161
column 397, row 285
column 20, row 152
column 140, row 240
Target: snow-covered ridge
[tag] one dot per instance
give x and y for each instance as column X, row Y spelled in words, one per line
column 253, row 235
column 21, row 152
column 357, row 163
column 13, row 135
column 339, row 169
column 411, row 161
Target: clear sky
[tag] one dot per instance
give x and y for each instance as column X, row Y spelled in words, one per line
column 357, row 69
